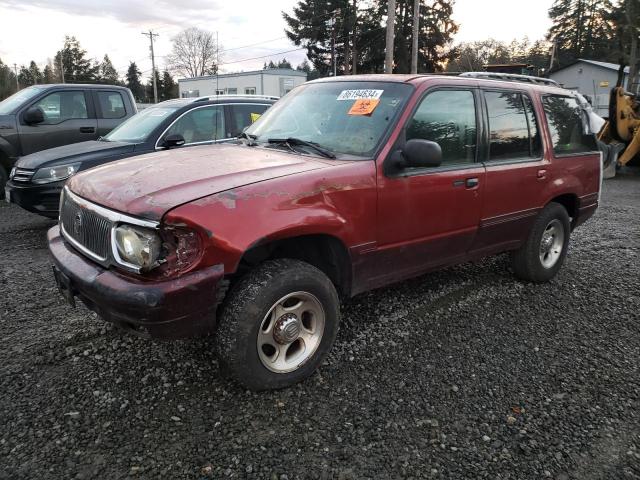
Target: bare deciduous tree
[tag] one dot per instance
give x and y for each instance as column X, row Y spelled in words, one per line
column 194, row 53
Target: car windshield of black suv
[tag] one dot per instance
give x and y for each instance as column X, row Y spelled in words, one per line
column 342, row 118
column 138, row 128
column 15, row 101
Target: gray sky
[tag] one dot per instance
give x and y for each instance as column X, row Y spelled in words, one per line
column 35, row 29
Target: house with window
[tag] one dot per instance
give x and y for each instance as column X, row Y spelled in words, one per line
column 273, row 82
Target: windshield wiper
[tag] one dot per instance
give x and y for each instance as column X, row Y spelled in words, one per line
column 103, row 139
column 249, row 136
column 290, row 141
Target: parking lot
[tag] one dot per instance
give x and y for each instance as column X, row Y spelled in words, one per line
column 464, row 373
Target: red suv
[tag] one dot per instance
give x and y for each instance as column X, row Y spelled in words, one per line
column 345, row 185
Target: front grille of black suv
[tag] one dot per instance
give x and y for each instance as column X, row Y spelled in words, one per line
column 22, row 175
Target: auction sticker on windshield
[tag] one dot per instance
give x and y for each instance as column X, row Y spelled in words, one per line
column 363, row 106
column 364, row 94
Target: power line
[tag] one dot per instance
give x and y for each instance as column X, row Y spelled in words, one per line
column 251, row 45
column 264, row 56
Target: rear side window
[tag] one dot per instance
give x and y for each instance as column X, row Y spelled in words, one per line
column 447, row 117
column 111, row 104
column 567, row 125
column 513, row 131
column 245, row 115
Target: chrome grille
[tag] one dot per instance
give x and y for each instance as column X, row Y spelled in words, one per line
column 22, row 174
column 86, row 229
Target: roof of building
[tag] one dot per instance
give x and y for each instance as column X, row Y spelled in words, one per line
column 289, row 72
column 609, row 66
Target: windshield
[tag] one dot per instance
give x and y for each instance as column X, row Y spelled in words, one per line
column 138, row 128
column 348, row 118
column 10, row 104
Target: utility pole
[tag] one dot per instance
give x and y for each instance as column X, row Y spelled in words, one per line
column 354, row 48
column 217, row 64
column 554, row 46
column 391, row 20
column 416, row 31
column 15, row 70
column 332, row 23
column 153, row 64
column 61, row 66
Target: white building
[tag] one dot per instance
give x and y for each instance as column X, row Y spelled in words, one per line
column 592, row 79
column 273, row 82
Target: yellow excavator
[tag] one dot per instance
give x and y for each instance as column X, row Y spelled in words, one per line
column 620, row 135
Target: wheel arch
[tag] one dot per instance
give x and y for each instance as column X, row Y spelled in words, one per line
column 571, row 203
column 324, row 251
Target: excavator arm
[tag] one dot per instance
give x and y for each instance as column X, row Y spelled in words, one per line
column 623, row 125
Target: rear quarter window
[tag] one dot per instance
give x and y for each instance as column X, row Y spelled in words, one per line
column 245, row 114
column 567, row 126
column 111, row 104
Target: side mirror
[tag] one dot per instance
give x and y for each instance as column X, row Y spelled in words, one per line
column 418, row 153
column 175, row 140
column 33, row 115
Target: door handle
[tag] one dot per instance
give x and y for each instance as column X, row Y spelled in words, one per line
column 471, row 182
column 542, row 174
column 87, row 129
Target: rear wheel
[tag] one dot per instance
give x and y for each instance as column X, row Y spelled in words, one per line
column 277, row 324
column 542, row 255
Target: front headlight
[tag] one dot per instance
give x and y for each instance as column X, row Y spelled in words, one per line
column 137, row 247
column 55, row 174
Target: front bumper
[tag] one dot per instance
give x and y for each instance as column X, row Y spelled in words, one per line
column 169, row 309
column 41, row 199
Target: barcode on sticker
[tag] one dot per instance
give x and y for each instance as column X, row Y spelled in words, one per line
column 360, row 94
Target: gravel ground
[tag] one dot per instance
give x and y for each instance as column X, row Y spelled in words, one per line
column 465, row 373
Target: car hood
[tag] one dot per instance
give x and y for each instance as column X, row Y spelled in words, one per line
column 149, row 185
column 76, row 152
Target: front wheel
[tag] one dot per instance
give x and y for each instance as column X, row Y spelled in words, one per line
column 277, row 324
column 544, row 251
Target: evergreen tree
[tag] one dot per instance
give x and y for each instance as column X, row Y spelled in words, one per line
column 582, row 29
column 306, row 68
column 133, row 83
column 626, row 17
column 24, row 77
column 108, row 73
column 538, row 56
column 436, row 30
column 358, row 28
column 7, row 81
column 169, row 87
column 77, row 68
column 284, row 64
column 308, row 27
column 35, row 73
column 48, row 75
column 149, row 88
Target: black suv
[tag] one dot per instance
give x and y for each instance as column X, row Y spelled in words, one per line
column 37, row 180
column 47, row 116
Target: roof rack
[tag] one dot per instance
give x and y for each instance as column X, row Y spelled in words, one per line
column 227, row 95
column 512, row 77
